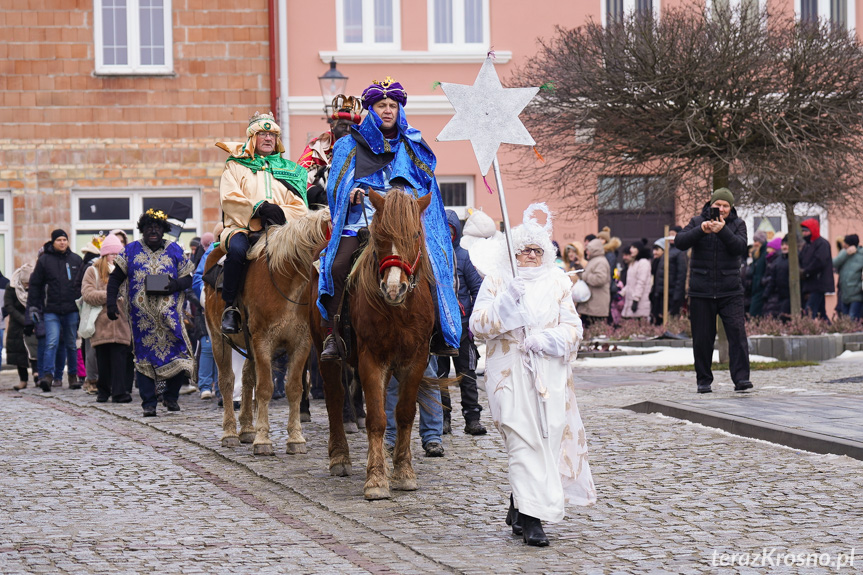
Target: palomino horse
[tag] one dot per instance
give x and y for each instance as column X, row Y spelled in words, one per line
column 392, row 316
column 274, row 304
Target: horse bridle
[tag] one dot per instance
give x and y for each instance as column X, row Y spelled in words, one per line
column 396, row 261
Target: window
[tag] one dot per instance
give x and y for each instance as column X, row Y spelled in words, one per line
column 95, row 211
column 617, row 10
column 458, row 24
column 133, row 36
column 7, row 264
column 631, row 193
column 457, row 193
column 752, row 6
column 840, row 12
column 364, row 24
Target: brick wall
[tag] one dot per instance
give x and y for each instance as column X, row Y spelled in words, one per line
column 62, row 127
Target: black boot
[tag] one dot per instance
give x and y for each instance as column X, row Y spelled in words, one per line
column 331, row 349
column 532, row 532
column 230, row 319
column 439, row 346
column 512, row 517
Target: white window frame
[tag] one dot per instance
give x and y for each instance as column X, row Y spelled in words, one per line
column 629, row 8
column 824, row 11
column 469, row 193
column 735, row 4
column 458, row 34
column 368, row 44
column 136, row 201
column 134, row 66
column 7, row 228
column 750, row 212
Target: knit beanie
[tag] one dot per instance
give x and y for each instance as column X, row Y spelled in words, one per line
column 852, row 240
column 58, row 234
column 207, row 239
column 722, row 194
column 760, row 236
column 111, row 245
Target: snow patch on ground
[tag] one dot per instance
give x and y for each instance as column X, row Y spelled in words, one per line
column 665, row 356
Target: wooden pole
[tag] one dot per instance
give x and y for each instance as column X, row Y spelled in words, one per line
column 665, row 280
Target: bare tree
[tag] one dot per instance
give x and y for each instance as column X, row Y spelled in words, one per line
column 758, row 102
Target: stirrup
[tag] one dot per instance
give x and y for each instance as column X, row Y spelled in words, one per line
column 228, row 329
column 333, row 354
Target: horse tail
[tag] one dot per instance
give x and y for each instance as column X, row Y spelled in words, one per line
column 291, row 248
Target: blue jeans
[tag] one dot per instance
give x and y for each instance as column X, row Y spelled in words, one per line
column 815, row 305
column 206, row 366
column 57, row 326
column 853, row 309
column 431, row 410
column 59, row 360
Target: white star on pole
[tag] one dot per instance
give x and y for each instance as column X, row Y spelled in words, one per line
column 487, row 115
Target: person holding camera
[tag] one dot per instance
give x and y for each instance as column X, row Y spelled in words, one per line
column 159, row 273
column 718, row 240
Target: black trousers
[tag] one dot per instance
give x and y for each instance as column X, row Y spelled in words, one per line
column 147, row 388
column 465, row 366
column 339, row 272
column 115, row 369
column 235, row 264
column 702, row 315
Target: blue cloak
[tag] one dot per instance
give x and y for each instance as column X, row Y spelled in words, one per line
column 412, row 160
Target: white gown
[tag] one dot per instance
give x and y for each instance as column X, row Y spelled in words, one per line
column 545, row 473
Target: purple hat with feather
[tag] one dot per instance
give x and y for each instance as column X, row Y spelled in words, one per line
column 387, row 88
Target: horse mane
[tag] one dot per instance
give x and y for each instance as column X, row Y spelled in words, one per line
column 400, row 221
column 294, row 244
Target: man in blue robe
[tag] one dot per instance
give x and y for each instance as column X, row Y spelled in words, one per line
column 382, row 149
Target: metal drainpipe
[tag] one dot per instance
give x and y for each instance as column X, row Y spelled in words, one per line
column 284, row 118
column 274, row 93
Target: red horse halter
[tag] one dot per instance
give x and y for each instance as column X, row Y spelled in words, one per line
column 397, row 261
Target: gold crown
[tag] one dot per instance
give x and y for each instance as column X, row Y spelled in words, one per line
column 157, row 214
column 342, row 103
column 385, row 83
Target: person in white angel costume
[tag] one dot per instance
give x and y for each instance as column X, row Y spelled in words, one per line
column 532, row 332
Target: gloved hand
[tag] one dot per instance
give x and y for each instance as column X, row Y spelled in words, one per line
column 634, row 306
column 173, row 285
column 516, row 288
column 270, row 214
column 29, row 329
column 112, row 312
column 35, row 315
column 533, row 343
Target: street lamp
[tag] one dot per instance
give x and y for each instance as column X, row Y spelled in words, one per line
column 332, row 83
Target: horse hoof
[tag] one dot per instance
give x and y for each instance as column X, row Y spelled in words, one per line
column 404, row 484
column 351, row 427
column 361, row 422
column 305, row 417
column 375, row 493
column 232, row 441
column 295, row 448
column 340, row 469
column 264, row 449
column 247, row 437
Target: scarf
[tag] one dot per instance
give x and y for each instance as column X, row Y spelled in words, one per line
column 18, row 278
column 290, row 174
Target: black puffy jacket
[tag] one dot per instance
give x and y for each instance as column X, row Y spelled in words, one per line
column 714, row 263
column 52, row 284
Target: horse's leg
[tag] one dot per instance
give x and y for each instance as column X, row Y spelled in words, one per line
column 375, row 379
column 247, row 421
column 404, row 477
column 222, row 355
column 294, row 390
column 263, row 389
column 334, row 397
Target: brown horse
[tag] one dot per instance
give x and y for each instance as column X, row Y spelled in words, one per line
column 274, row 304
column 392, row 316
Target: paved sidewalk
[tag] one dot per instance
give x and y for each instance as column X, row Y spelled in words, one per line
column 91, row 488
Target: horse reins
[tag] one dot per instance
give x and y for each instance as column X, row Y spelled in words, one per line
column 397, row 261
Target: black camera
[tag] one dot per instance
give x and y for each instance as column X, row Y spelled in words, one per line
column 714, row 214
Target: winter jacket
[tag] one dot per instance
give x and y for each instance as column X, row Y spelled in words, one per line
column 637, row 288
column 469, row 280
column 816, row 262
column 52, row 287
column 758, row 267
column 16, row 352
column 95, row 292
column 777, row 291
column 714, row 264
column 677, row 265
column 850, row 270
column 597, row 276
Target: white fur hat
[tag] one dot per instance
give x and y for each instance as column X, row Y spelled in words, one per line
column 489, row 256
column 478, row 226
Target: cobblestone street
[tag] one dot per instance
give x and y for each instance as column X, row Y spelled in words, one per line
column 96, row 488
